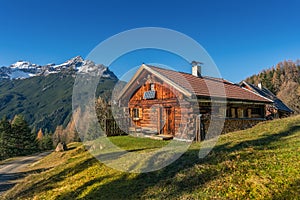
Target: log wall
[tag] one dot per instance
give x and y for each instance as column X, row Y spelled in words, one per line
column 152, row 112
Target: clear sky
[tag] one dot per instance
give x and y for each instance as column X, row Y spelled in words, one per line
column 242, row 36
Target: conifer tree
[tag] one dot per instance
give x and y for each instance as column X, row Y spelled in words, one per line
column 47, row 143
column 23, row 138
column 5, row 143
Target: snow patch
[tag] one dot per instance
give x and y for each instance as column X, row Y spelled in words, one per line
column 17, row 74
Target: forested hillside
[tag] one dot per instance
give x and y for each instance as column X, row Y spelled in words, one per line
column 283, row 80
column 44, row 101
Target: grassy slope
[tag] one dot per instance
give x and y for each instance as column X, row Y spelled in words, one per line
column 259, row 163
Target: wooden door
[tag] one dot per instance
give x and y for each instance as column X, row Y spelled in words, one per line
column 168, row 121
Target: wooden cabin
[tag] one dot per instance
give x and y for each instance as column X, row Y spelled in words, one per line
column 167, row 102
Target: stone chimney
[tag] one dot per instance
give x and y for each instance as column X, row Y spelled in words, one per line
column 196, row 68
column 259, row 85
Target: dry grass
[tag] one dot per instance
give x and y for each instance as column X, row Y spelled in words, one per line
column 259, row 163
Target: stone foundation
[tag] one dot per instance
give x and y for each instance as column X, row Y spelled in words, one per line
column 231, row 125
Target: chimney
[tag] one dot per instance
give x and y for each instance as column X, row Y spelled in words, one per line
column 196, row 68
column 259, row 85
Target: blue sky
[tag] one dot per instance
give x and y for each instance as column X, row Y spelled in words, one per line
column 242, row 36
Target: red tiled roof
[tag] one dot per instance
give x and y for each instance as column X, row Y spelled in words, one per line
column 208, row 86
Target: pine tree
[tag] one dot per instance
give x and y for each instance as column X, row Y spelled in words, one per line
column 5, row 143
column 33, row 130
column 47, row 143
column 24, row 140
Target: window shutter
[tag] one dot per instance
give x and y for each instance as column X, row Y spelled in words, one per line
column 131, row 112
column 140, row 113
column 232, row 112
column 240, row 113
column 249, row 113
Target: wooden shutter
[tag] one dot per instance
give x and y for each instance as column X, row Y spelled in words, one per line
column 131, row 112
column 232, row 112
column 249, row 113
column 140, row 113
column 240, row 113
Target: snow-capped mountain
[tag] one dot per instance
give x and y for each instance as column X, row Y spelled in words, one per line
column 25, row 69
column 23, row 65
column 75, row 62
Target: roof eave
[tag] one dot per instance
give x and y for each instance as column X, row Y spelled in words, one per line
column 170, row 82
column 145, row 67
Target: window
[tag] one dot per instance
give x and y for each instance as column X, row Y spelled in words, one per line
column 150, row 91
column 232, row 112
column 257, row 112
column 249, row 112
column 240, row 112
column 152, row 87
column 136, row 113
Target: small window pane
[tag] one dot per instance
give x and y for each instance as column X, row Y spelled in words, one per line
column 152, row 88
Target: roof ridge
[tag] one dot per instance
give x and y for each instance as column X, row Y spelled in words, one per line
column 191, row 85
column 204, row 77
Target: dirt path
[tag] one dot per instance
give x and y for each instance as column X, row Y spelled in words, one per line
column 14, row 170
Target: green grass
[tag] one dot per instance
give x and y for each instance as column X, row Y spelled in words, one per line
column 259, row 163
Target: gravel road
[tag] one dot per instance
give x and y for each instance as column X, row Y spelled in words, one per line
column 12, row 171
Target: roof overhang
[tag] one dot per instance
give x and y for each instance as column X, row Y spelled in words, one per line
column 158, row 75
column 267, row 99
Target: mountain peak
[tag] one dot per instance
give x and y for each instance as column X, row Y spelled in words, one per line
column 77, row 59
column 22, row 65
column 25, row 69
column 75, row 62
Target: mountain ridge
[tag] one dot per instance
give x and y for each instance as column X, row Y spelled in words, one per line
column 25, row 69
column 45, row 99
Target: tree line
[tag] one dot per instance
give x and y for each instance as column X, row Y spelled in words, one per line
column 95, row 129
column 18, row 139
column 283, row 80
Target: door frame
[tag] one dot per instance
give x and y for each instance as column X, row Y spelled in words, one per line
column 167, row 120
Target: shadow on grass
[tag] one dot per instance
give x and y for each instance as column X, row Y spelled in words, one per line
column 71, row 148
column 79, row 190
column 258, row 144
column 128, row 188
column 8, row 180
column 50, row 183
column 167, row 181
column 292, row 191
